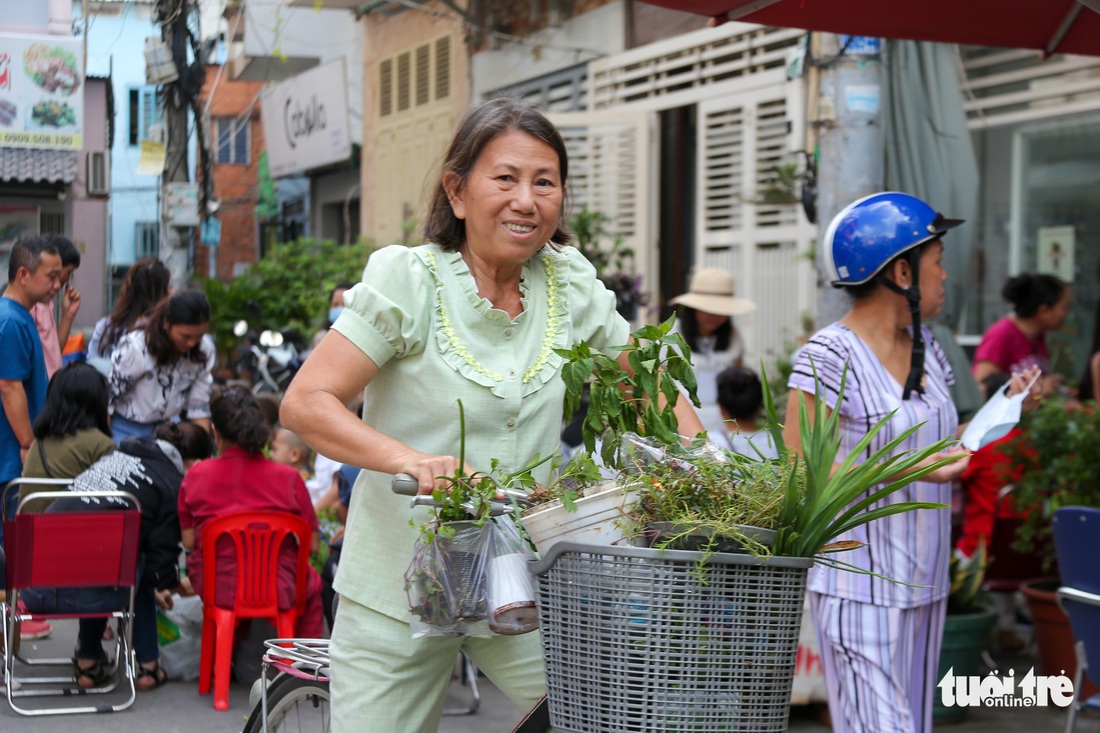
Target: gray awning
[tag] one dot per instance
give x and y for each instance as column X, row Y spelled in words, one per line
column 40, row 166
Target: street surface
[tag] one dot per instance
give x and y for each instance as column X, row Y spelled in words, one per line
column 178, row 708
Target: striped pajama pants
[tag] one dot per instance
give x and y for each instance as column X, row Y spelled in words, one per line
column 880, row 663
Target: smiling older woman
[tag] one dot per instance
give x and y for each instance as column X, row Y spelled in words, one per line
column 475, row 315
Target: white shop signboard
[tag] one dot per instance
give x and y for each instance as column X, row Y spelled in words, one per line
column 305, row 120
column 41, row 92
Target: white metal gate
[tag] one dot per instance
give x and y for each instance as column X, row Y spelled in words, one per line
column 767, row 246
column 612, row 169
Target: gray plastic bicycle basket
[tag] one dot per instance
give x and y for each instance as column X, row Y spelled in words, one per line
column 647, row 640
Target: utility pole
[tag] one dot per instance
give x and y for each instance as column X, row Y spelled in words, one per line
column 174, row 245
column 852, row 162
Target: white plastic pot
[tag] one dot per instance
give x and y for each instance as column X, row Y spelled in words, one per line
column 595, row 522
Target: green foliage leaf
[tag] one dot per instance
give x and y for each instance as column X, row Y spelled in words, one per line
column 291, row 285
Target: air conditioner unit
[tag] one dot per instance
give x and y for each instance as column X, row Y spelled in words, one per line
column 98, row 175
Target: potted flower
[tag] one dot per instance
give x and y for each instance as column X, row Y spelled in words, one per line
column 966, row 627
column 1058, row 463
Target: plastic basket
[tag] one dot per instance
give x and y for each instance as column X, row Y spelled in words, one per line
column 646, row 640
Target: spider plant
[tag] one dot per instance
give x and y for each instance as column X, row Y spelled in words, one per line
column 836, row 497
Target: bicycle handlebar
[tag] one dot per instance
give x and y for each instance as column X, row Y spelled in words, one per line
column 406, row 485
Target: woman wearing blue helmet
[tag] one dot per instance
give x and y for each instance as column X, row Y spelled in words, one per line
column 880, row 640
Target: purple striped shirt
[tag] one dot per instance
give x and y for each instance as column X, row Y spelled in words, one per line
column 913, row 546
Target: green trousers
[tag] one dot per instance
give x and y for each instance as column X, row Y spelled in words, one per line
column 384, row 681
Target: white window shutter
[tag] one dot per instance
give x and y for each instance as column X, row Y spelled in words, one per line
column 764, row 243
column 612, row 169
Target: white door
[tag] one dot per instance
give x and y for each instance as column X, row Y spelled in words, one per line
column 742, row 220
column 612, row 169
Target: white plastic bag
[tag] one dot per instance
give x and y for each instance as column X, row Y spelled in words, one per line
column 179, row 634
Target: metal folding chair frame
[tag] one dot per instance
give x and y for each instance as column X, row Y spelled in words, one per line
column 1073, row 595
column 126, row 565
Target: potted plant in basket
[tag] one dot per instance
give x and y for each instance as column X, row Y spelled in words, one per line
column 1057, row 460
column 722, row 623
column 698, row 486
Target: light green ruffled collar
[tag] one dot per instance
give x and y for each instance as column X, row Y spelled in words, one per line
column 469, row 286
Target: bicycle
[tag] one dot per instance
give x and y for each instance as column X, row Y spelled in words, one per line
column 297, row 698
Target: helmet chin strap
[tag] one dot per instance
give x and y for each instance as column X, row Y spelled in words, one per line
column 915, row 381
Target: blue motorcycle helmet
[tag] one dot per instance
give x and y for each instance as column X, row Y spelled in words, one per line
column 870, row 233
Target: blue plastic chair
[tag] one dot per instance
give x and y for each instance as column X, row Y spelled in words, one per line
column 1077, row 541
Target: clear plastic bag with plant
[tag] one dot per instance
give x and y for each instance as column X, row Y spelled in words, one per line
column 447, row 582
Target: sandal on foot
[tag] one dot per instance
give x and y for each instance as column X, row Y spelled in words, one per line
column 88, row 677
column 150, row 678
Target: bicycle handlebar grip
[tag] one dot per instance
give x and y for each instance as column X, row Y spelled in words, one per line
column 405, row 485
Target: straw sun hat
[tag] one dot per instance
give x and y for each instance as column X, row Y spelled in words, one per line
column 711, row 291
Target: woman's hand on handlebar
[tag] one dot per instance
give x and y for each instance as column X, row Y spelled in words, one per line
column 431, row 471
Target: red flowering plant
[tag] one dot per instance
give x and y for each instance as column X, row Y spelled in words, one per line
column 1056, row 461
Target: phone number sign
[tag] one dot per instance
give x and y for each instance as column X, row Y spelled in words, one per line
column 41, row 92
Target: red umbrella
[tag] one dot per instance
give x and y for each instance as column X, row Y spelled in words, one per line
column 1053, row 26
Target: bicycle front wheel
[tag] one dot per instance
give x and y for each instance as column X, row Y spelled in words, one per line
column 294, row 705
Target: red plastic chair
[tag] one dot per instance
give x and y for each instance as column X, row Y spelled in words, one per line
column 74, row 549
column 257, row 538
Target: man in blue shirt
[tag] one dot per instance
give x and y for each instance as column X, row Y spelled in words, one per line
column 34, row 273
column 34, row 276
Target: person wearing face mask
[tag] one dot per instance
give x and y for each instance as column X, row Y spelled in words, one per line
column 162, row 371
column 335, row 308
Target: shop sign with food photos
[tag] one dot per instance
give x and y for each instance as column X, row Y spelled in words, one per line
column 41, row 92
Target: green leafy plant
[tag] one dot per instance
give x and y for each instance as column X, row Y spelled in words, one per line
column 621, row 402
column 614, row 263
column 1055, row 463
column 838, row 497
column 967, row 575
column 591, row 234
column 290, row 285
column 719, row 500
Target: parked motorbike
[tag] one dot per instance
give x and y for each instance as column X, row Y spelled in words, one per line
column 270, row 358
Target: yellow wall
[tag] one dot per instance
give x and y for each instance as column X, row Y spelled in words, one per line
column 402, row 151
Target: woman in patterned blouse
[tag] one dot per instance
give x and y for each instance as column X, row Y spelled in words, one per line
column 162, row 371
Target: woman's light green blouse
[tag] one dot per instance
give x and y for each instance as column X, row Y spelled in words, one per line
column 418, row 316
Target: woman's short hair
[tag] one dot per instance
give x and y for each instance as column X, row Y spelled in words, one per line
column 76, row 399
column 478, row 128
column 237, row 417
column 186, row 308
column 1028, row 292
column 191, row 440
